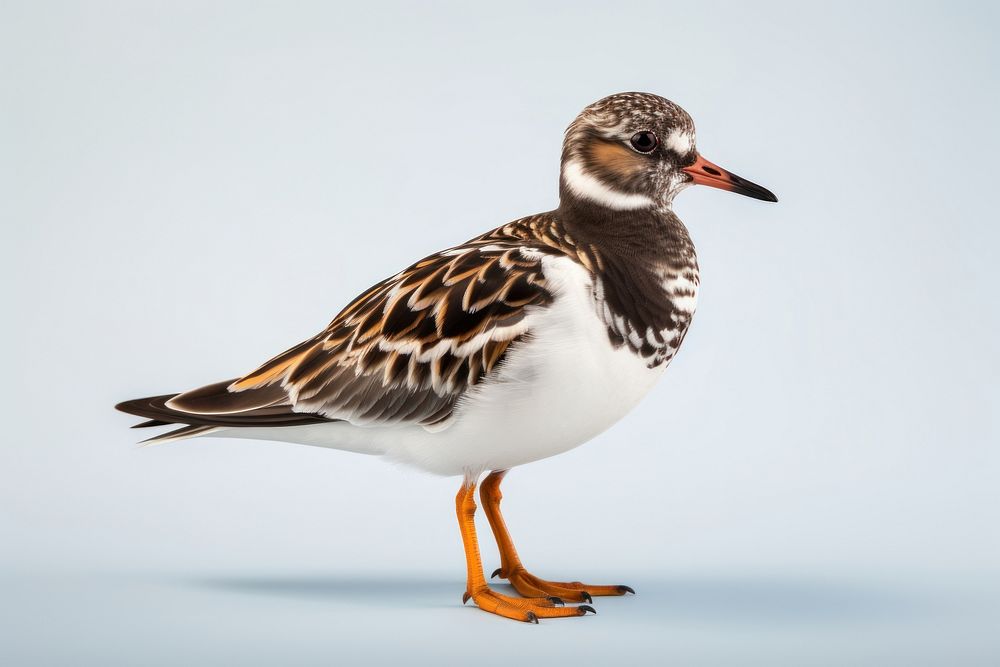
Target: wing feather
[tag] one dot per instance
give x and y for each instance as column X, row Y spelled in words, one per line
column 404, row 351
column 407, row 349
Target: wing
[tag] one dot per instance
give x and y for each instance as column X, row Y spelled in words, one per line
column 402, row 352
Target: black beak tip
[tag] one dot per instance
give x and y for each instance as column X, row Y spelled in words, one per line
column 745, row 187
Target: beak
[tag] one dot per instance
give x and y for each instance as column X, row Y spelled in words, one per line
column 703, row 172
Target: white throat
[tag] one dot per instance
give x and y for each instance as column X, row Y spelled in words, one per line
column 589, row 187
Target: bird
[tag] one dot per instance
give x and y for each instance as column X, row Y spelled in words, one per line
column 517, row 345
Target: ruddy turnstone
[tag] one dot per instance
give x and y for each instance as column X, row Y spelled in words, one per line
column 516, row 345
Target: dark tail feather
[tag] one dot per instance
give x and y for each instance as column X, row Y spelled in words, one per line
column 178, row 434
column 151, row 422
column 207, row 411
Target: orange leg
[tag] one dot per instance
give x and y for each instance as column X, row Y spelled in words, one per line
column 528, row 609
column 511, row 568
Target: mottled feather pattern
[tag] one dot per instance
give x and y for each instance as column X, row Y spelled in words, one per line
column 554, row 325
column 405, row 350
column 645, row 295
column 408, row 348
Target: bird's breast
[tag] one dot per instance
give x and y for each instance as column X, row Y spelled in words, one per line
column 558, row 387
column 648, row 310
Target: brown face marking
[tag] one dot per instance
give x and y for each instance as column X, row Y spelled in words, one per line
column 615, row 158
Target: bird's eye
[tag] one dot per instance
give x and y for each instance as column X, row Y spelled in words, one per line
column 644, row 142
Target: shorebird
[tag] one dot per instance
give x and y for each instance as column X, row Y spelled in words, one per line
column 514, row 346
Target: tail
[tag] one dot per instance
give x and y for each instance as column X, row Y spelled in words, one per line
column 182, row 433
column 157, row 413
column 215, row 407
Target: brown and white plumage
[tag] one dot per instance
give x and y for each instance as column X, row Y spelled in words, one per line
column 517, row 345
column 403, row 351
column 600, row 290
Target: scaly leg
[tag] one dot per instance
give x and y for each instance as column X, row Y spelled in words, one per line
column 511, row 568
column 521, row 609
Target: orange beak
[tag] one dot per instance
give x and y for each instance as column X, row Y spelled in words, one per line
column 703, row 172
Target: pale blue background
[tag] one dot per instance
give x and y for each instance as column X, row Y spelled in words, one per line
column 188, row 188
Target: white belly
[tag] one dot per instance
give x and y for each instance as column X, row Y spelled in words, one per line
column 554, row 391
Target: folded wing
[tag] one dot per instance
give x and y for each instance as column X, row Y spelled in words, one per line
column 402, row 352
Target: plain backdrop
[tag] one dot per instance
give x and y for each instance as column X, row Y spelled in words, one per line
column 187, row 188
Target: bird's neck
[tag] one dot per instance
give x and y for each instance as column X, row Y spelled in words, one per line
column 643, row 237
column 645, row 274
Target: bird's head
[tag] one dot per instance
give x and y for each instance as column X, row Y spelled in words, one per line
column 637, row 150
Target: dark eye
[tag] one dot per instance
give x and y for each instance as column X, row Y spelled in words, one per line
column 644, row 142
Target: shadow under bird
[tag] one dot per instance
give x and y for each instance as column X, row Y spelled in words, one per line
column 514, row 346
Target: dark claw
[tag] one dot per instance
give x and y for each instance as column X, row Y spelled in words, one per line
column 465, row 597
column 496, row 573
column 585, row 596
column 626, row 589
column 532, row 618
column 584, row 608
column 556, row 601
